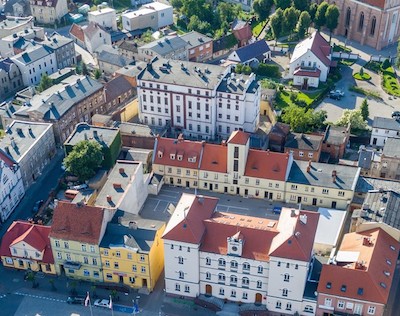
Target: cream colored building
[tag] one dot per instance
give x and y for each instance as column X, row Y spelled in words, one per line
column 48, row 12
column 234, row 168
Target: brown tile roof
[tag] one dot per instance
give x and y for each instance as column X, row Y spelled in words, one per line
column 75, row 222
column 304, row 141
column 376, row 3
column 305, row 72
column 34, row 235
column 367, row 273
column 239, row 137
column 257, row 234
column 321, row 48
column 186, row 223
column 266, row 165
column 241, row 30
column 167, row 148
column 214, row 158
column 77, row 32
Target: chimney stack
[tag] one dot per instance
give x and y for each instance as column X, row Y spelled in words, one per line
column 293, row 213
column 117, row 185
column 121, row 170
column 334, row 176
column 201, row 199
column 109, row 199
column 308, row 169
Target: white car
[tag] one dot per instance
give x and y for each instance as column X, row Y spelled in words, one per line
column 102, row 303
column 79, row 187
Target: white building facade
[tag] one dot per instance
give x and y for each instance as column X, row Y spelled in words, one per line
column 231, row 257
column 12, row 187
column 382, row 129
column 106, row 17
column 201, row 102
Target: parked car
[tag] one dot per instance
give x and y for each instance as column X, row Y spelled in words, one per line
column 37, row 206
column 396, row 114
column 79, row 187
column 336, row 94
column 102, row 303
column 79, row 300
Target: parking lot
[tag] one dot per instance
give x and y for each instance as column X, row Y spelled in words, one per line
column 156, row 207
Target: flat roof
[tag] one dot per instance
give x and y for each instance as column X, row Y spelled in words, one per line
column 21, row 136
column 83, row 131
column 329, row 226
column 101, row 11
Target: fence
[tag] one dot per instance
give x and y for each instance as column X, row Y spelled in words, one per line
column 279, row 49
column 380, row 58
column 342, row 55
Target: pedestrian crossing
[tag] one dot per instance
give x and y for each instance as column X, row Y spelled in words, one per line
column 40, row 297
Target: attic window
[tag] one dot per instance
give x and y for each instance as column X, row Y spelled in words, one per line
column 388, row 262
column 360, row 291
column 382, row 285
column 180, row 157
column 160, row 154
column 392, row 247
column 172, row 156
column 343, row 288
column 328, row 285
column 192, row 159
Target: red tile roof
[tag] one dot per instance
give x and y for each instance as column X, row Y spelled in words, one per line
column 7, row 159
column 321, row 48
column 239, row 138
column 376, row 3
column 77, row 223
column 214, row 158
column 372, row 272
column 186, row 223
column 77, row 31
column 37, row 236
column 297, row 234
column 242, row 31
column 256, row 233
column 167, row 148
column 308, row 73
column 266, row 165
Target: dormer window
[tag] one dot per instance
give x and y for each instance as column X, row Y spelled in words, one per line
column 328, row 285
column 180, row 157
column 343, row 288
column 172, row 156
column 160, row 154
column 192, row 159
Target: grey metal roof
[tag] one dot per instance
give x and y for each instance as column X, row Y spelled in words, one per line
column 365, row 184
column 33, row 54
column 335, row 135
column 132, row 70
column 365, row 159
column 386, row 123
column 5, row 64
column 54, row 102
column 392, row 147
column 195, row 38
column 321, row 175
column 20, row 136
column 166, row 45
column 381, row 206
column 139, row 129
column 253, row 50
column 83, row 131
column 56, row 40
column 113, row 59
column 183, row 73
column 303, row 141
column 237, row 84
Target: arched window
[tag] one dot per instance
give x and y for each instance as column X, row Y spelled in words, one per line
column 221, row 277
column 208, row 276
column 348, row 16
column 361, row 22
column 233, row 279
column 373, row 25
column 245, row 281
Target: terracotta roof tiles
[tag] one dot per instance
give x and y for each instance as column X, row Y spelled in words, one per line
column 266, row 165
column 214, row 158
column 239, row 137
column 77, row 32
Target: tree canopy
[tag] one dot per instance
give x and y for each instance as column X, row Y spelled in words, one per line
column 283, row 4
column 301, row 5
column 364, row 109
column 320, row 15
column 276, row 22
column 45, row 83
column 84, row 159
column 303, row 120
column 303, row 24
column 354, row 117
column 262, row 8
column 332, row 18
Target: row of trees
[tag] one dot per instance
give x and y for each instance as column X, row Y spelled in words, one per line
column 293, row 19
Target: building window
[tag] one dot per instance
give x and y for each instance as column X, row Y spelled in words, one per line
column 245, row 281
column 286, row 277
column 106, row 252
column 118, row 254
column 96, row 274
column 142, row 258
column 244, row 296
column 234, row 264
column 187, row 288
column 259, row 284
column 221, row 291
column 107, row 263
column 66, row 245
column 59, row 255
column 208, row 276
column 116, row 265
column 132, row 280
column 129, row 255
column 221, row 277
column 260, row 269
column 143, row 269
column 340, row 304
column 94, row 261
column 296, row 266
column 287, row 265
column 348, row 16
column 325, row 191
column 309, row 309
column 279, row 264
column 284, row 292
column 341, row 193
column 373, row 25
column 57, row 243
column 177, row 287
column 109, row 276
column 92, row 249
column 86, row 273
column 181, row 275
column 180, row 260
column 328, row 302
column 278, row 305
column 246, row 267
column 208, row 261
column 289, row 306
column 371, row 310
column 221, row 262
column 294, row 187
column 233, row 293
column 361, row 22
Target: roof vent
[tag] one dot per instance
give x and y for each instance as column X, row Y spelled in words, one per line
column 303, row 219
column 201, row 199
column 109, row 198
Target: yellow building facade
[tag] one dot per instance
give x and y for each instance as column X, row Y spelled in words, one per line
column 134, row 254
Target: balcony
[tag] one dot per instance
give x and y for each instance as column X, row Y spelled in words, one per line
column 72, row 265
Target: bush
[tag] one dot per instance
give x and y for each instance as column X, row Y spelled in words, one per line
column 269, row 70
column 386, row 64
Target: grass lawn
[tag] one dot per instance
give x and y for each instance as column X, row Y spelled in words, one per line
column 366, row 92
column 341, row 48
column 364, row 76
column 283, row 98
column 390, row 83
column 347, row 62
column 257, row 27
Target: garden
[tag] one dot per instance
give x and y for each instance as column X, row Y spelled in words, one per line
column 389, row 81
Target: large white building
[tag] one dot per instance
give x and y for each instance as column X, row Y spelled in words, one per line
column 203, row 101
column 35, row 62
column 239, row 258
column 106, row 17
column 384, row 128
column 12, row 187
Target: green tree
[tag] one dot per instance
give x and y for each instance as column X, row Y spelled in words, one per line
column 300, row 119
column 85, row 70
column 283, row 4
column 45, row 83
column 290, row 18
column 195, row 24
column 276, row 23
column 246, row 70
column 177, row 4
column 303, row 24
column 313, row 10
column 31, row 277
column 301, row 5
column 84, row 159
column 147, row 36
column 319, row 118
column 320, row 15
column 364, row 109
column 97, row 74
column 354, row 117
column 386, row 64
column 262, row 8
column 332, row 19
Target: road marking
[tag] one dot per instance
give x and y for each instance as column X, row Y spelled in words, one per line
column 155, row 207
column 231, row 206
column 40, row 297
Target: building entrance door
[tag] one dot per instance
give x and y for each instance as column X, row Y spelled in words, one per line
column 208, row 290
column 258, row 300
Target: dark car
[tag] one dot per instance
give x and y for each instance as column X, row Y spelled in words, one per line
column 37, row 206
column 79, row 300
column 396, row 114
